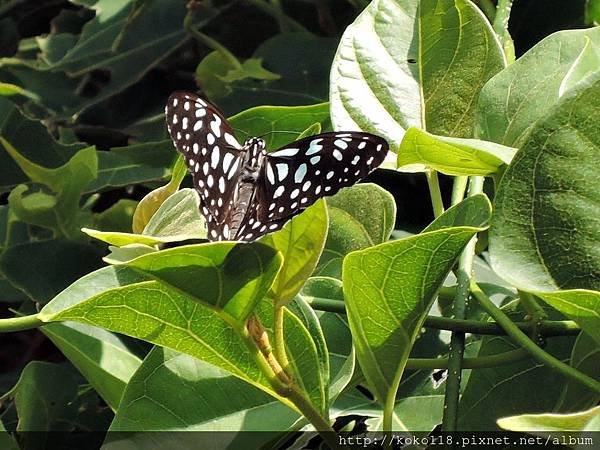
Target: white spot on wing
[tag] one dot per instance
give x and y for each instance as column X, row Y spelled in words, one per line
column 341, row 144
column 300, row 173
column 314, row 147
column 282, row 171
column 336, row 154
column 278, row 192
column 214, row 157
column 227, row 161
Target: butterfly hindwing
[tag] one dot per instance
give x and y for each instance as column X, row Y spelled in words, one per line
column 295, row 176
column 212, row 154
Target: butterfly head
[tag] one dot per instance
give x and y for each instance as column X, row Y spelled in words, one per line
column 256, row 143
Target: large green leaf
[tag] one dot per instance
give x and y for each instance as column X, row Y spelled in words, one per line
column 100, row 356
column 157, row 313
column 300, row 242
column 389, row 289
column 408, row 64
column 228, row 276
column 545, row 232
column 175, row 392
column 359, row 217
column 452, row 156
column 525, row 91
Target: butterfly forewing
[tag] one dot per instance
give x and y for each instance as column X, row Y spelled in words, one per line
column 211, row 152
column 294, row 177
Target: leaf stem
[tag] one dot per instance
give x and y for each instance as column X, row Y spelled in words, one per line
column 458, row 189
column 256, row 339
column 435, row 193
column 459, row 307
column 279, row 337
column 211, row 43
column 480, row 362
column 534, row 350
column 277, row 14
column 20, row 323
column 500, row 26
column 535, row 311
column 547, row 328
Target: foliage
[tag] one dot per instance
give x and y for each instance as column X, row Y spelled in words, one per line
column 343, row 313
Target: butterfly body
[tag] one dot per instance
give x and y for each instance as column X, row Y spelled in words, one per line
column 247, row 192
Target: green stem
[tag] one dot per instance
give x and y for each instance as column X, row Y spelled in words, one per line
column 521, row 339
column 435, row 193
column 211, row 43
column 500, row 26
column 458, row 189
column 480, row 362
column 457, row 340
column 20, row 323
column 277, row 14
column 547, row 328
column 321, row 424
column 279, row 338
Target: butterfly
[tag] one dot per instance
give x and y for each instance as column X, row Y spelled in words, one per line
column 245, row 191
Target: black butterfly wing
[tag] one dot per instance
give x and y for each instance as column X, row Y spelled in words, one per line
column 295, row 176
column 212, row 154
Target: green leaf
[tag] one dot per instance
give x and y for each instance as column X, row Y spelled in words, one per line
column 28, row 136
column 315, row 128
column 166, row 393
column 300, row 242
column 452, row 156
column 404, row 64
column 228, row 276
column 512, row 101
column 544, row 233
column 279, row 125
column 99, row 355
column 8, row 89
column 125, row 301
column 251, row 68
column 177, row 219
column 307, row 356
column 585, row 357
column 210, row 72
column 60, row 213
column 472, row 211
column 538, row 424
column 579, row 305
column 44, row 398
column 304, row 73
column 359, row 216
column 44, row 278
column 148, row 206
column 125, row 39
column 389, row 289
